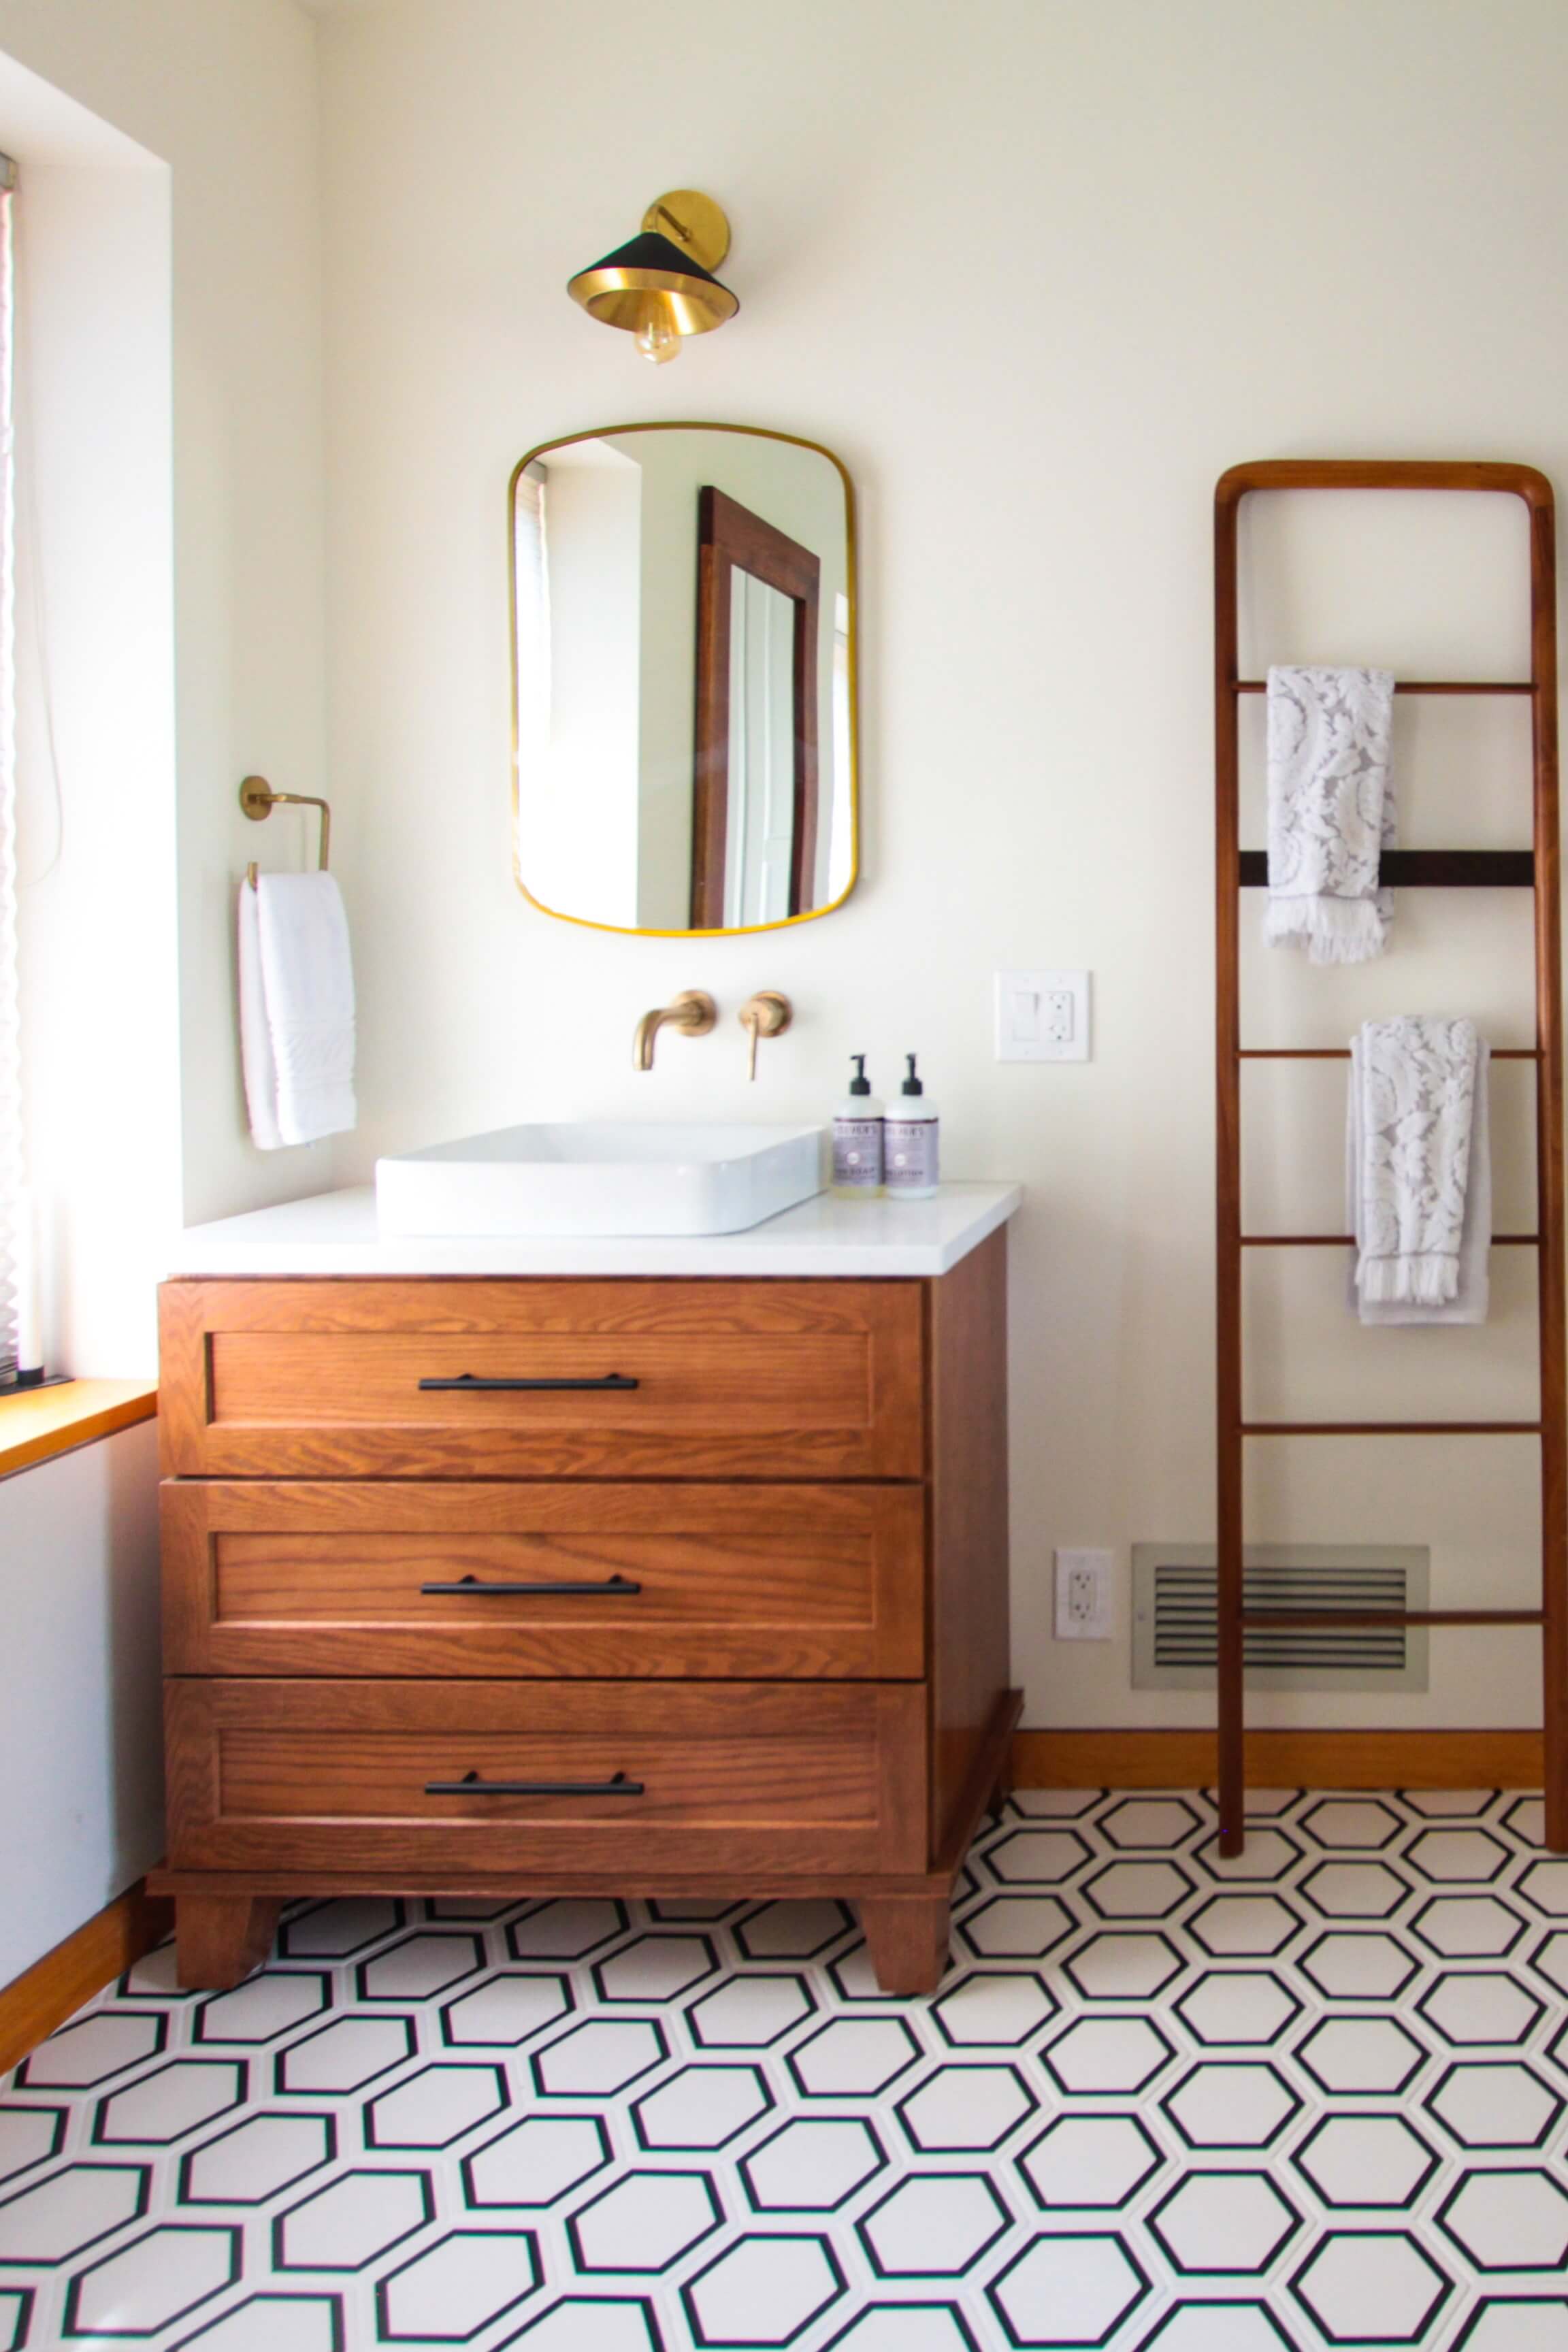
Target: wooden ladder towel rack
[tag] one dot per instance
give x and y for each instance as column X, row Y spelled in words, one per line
column 1237, row 869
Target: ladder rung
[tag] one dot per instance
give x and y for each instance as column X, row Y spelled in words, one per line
column 1419, row 685
column 1347, row 1241
column 1325, row 1620
column 1391, row 1429
column 1430, row 869
column 1342, row 1053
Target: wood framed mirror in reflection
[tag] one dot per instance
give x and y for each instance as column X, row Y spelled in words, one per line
column 685, row 728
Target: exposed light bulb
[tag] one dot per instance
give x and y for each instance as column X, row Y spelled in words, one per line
column 657, row 339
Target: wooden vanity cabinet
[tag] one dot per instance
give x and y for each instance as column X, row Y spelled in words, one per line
column 517, row 1586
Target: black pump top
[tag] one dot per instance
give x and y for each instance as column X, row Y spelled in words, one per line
column 859, row 1084
column 911, row 1085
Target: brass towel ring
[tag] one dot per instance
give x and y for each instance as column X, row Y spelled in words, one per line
column 259, row 800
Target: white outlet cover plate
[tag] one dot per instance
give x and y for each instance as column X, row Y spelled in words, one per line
column 1083, row 1625
column 1042, row 1016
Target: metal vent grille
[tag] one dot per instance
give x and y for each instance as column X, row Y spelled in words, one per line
column 1174, row 1633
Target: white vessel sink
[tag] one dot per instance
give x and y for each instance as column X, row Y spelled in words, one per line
column 599, row 1177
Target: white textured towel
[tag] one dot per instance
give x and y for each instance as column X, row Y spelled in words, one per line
column 1418, row 1170
column 296, row 1009
column 1330, row 811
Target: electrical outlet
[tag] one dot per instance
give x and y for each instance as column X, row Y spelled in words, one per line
column 1042, row 1016
column 1083, row 1595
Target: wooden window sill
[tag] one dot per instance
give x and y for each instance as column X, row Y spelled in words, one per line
column 44, row 1422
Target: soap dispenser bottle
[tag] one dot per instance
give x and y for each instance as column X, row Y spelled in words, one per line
column 909, row 1142
column 858, row 1140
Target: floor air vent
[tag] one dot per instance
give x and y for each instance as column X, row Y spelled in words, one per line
column 1174, row 1629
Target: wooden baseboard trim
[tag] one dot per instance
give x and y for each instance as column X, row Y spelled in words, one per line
column 1279, row 1759
column 990, row 1775
column 107, row 1944
column 118, row 1935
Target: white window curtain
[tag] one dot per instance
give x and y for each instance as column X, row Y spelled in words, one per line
column 16, row 1270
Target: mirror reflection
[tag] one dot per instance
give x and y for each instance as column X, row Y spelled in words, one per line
column 684, row 678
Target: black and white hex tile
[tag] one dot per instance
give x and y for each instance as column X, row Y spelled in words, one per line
column 1315, row 2097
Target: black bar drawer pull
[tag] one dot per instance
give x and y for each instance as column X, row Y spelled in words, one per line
column 474, row 1587
column 472, row 1381
column 470, row 1785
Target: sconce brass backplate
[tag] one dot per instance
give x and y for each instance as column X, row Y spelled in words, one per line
column 693, row 222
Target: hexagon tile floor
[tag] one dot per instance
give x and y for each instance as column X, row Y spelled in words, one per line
column 1316, row 2097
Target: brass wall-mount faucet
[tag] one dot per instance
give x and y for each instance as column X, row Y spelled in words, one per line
column 693, row 1012
column 765, row 1014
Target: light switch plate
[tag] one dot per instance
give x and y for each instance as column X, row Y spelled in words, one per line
column 1042, row 1016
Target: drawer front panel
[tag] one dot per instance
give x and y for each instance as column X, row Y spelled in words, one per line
column 475, row 1777
column 548, row 1379
column 739, row 1582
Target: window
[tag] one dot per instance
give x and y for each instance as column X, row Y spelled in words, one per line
column 532, row 589
column 16, row 1272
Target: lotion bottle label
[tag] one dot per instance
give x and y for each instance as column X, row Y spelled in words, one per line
column 857, row 1154
column 911, row 1150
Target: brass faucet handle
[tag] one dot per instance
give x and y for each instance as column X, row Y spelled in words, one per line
column 766, row 1015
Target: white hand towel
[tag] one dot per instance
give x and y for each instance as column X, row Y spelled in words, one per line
column 1418, row 1170
column 255, row 1043
column 296, row 1009
column 1330, row 811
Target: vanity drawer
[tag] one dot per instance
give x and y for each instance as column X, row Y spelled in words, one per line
column 585, row 1379
column 269, row 1776
column 606, row 1580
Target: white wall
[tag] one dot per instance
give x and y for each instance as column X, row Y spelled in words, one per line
column 1038, row 274
column 226, row 96
column 80, row 1748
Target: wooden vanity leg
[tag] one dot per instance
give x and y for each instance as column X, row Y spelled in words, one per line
column 906, row 1935
column 219, row 1939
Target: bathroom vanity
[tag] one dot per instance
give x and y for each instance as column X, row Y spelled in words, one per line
column 568, row 1566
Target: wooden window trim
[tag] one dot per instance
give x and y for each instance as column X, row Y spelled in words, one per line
column 38, row 1424
column 728, row 536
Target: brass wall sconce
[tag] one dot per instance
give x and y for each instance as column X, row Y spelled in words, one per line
column 660, row 287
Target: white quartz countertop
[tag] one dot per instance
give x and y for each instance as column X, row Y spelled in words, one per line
column 336, row 1232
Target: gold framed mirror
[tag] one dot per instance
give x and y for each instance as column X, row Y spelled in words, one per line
column 684, row 679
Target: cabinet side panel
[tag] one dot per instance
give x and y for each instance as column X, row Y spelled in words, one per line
column 969, row 1589
column 182, row 1379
